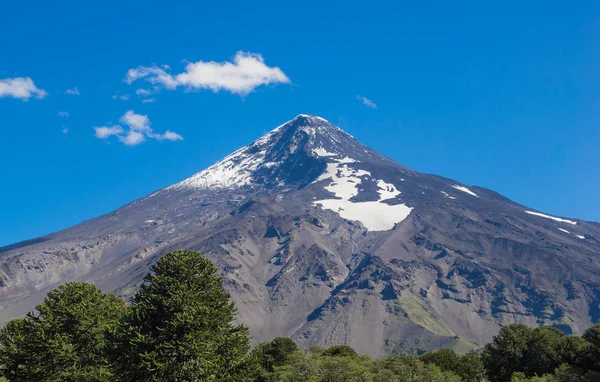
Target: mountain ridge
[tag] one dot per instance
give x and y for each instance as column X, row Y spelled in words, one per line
column 323, row 239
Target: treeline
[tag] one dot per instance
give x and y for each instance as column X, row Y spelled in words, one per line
column 517, row 354
column 180, row 327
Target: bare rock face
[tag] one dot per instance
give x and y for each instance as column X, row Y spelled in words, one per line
column 323, row 239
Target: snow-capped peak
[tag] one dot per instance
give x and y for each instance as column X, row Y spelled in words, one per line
column 313, row 135
column 311, row 117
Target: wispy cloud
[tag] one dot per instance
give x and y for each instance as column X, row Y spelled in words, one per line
column 65, row 130
column 104, row 132
column 139, row 130
column 153, row 74
column 123, row 97
column 149, row 100
column 21, row 88
column 170, row 136
column 242, row 76
column 73, row 91
column 367, row 102
column 143, row 92
column 63, row 114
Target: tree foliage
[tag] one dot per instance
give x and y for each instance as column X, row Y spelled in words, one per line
column 471, row 368
column 468, row 366
column 339, row 351
column 543, row 353
column 316, row 367
column 275, row 353
column 504, row 355
column 445, row 359
column 180, row 326
column 67, row 339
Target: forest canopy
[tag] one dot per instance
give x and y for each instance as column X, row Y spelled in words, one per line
column 181, row 326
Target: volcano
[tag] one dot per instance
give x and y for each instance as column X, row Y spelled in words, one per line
column 323, row 239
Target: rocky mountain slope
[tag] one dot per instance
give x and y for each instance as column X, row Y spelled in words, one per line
column 325, row 240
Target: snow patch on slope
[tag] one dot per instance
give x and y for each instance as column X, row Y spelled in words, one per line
column 551, row 217
column 447, row 195
column 578, row 236
column 464, row 189
column 345, row 182
column 319, row 151
column 386, row 190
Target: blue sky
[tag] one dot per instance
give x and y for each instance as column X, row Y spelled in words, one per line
column 503, row 96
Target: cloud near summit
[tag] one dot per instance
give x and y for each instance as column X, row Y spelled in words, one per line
column 366, row 102
column 243, row 75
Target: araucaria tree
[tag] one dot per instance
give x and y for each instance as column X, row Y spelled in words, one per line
column 67, row 339
column 180, row 326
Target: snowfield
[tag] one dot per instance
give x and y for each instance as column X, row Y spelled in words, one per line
column 345, row 182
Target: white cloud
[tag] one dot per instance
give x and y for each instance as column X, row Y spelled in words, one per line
column 132, row 138
column 63, row 114
column 73, row 91
column 138, row 130
column 65, row 130
column 123, row 97
column 104, row 132
column 149, row 100
column 170, row 136
column 247, row 72
column 143, row 92
column 367, row 102
column 21, row 88
column 136, row 122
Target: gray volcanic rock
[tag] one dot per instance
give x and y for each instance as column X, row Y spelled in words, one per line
column 323, row 239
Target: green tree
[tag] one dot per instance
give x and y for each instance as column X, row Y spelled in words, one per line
column 574, row 350
column 298, row 368
column 274, row 353
column 592, row 335
column 344, row 368
column 544, row 351
column 180, row 326
column 412, row 369
column 445, row 359
column 66, row 340
column 504, row 355
column 590, row 360
column 566, row 373
column 521, row 377
column 471, row 368
column 518, row 376
column 339, row 351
